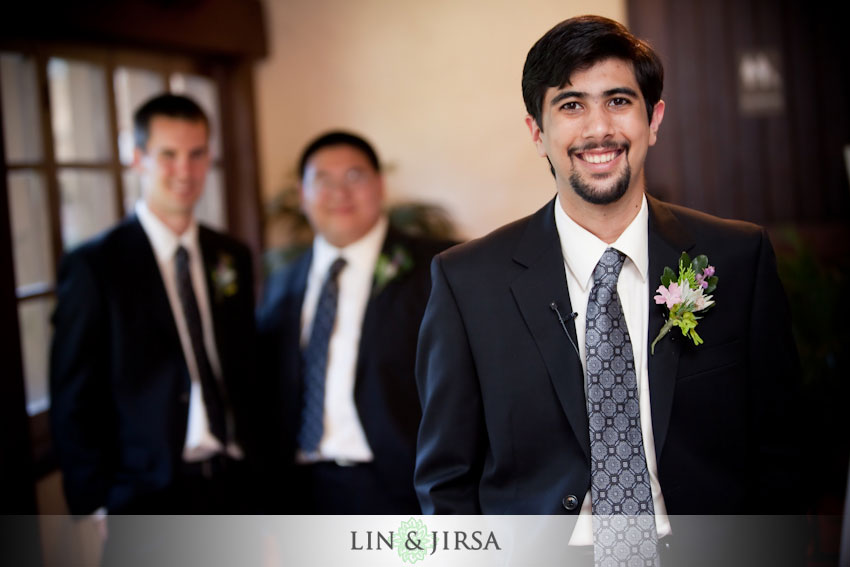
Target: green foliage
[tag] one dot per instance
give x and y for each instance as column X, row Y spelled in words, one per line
column 700, row 263
column 422, row 219
column 817, row 293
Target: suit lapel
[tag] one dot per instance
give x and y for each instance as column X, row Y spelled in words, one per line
column 145, row 274
column 210, row 254
column 221, row 316
column 667, row 240
column 375, row 311
column 541, row 283
column 291, row 316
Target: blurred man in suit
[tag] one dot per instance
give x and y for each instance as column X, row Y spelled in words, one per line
column 541, row 392
column 338, row 332
column 152, row 354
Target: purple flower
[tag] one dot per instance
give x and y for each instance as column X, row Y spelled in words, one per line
column 671, row 296
column 702, row 279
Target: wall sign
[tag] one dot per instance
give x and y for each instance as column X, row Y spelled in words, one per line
column 760, row 83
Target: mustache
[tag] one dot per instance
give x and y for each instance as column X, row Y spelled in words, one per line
column 610, row 145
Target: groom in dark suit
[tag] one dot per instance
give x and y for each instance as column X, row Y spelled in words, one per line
column 152, row 353
column 338, row 331
column 541, row 393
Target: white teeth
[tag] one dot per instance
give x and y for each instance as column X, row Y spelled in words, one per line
column 599, row 158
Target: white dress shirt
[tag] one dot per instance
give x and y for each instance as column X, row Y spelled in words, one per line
column 200, row 443
column 582, row 251
column 343, row 438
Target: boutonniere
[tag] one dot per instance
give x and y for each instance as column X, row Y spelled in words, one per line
column 392, row 266
column 224, row 277
column 686, row 295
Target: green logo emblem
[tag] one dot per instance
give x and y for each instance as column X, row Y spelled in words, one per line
column 413, row 540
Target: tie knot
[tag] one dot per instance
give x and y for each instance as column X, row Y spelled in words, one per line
column 336, row 268
column 182, row 256
column 608, row 268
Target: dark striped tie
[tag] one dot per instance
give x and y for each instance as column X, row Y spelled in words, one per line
column 212, row 394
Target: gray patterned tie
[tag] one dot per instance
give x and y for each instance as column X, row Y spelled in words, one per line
column 623, row 516
column 316, row 361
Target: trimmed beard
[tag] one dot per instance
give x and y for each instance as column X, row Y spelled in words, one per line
column 598, row 196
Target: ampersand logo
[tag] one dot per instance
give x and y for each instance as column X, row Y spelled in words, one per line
column 412, row 540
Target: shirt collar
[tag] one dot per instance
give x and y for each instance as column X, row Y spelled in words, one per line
column 361, row 254
column 582, row 249
column 163, row 240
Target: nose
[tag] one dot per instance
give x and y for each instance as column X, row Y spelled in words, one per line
column 598, row 123
column 182, row 166
column 336, row 187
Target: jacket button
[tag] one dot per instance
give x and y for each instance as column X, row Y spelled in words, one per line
column 184, row 398
column 570, row 502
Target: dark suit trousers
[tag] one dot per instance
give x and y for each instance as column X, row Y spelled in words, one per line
column 218, row 486
column 329, row 488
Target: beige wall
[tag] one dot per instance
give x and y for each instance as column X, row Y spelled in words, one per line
column 435, row 85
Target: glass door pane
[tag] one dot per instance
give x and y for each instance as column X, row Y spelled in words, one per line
column 79, row 111
column 88, row 204
column 34, row 316
column 30, row 230
column 132, row 88
column 21, row 124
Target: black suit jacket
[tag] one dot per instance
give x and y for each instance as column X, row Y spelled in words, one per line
column 504, row 427
column 119, row 380
column 384, row 390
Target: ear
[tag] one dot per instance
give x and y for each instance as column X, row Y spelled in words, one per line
column 657, row 117
column 536, row 134
column 138, row 157
column 382, row 187
column 300, row 186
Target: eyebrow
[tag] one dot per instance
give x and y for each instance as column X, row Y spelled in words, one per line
column 579, row 94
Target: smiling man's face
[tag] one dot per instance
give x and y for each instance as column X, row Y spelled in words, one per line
column 174, row 165
column 341, row 194
column 596, row 133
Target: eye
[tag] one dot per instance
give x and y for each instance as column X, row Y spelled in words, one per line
column 571, row 106
column 619, row 101
column 321, row 181
column 355, row 176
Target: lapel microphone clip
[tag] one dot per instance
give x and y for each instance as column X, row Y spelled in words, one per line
column 554, row 307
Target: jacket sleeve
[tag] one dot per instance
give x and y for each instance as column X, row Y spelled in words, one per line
column 79, row 386
column 452, row 435
column 776, row 389
column 238, row 346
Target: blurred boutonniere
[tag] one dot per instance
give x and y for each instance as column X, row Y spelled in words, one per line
column 686, row 295
column 224, row 277
column 391, row 266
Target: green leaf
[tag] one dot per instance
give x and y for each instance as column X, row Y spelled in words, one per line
column 668, row 276
column 700, row 263
column 712, row 284
column 684, row 260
